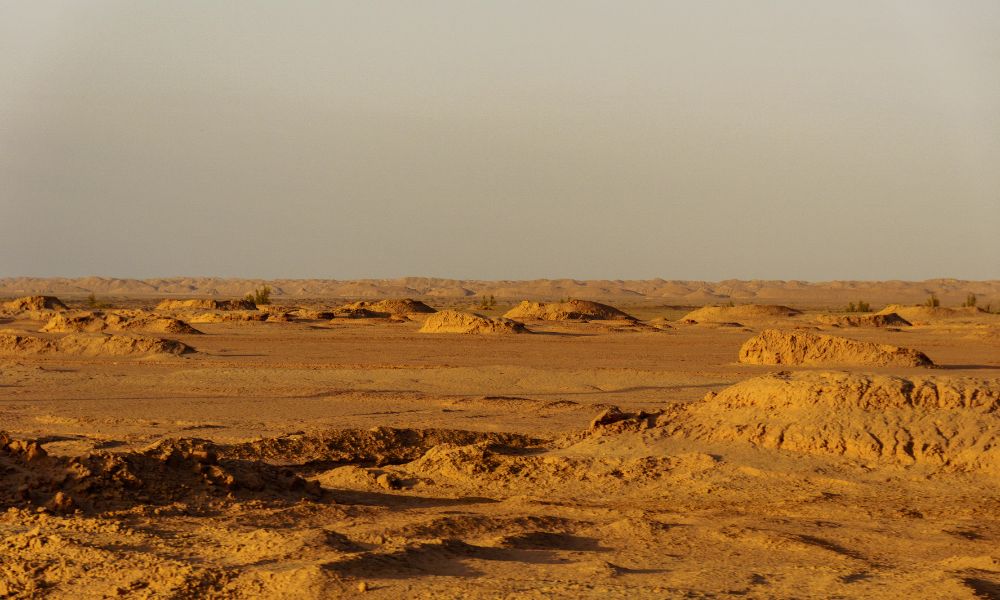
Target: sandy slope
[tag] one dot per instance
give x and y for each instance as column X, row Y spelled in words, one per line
column 303, row 457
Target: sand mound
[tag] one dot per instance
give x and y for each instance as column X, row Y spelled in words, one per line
column 34, row 303
column 926, row 314
column 940, row 421
column 451, row 321
column 199, row 303
column 563, row 311
column 116, row 321
column 876, row 320
column 30, row 477
column 743, row 312
column 382, row 309
column 775, row 347
column 89, row 344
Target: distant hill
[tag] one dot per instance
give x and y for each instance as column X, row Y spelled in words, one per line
column 951, row 292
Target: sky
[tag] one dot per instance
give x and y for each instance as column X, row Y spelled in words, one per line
column 790, row 139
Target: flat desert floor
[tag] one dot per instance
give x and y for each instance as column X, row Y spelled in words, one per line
column 317, row 457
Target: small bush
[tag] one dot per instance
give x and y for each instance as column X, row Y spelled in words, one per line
column 932, row 301
column 487, row 302
column 970, row 301
column 861, row 306
column 261, row 295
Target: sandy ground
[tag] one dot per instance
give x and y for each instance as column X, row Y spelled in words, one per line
column 400, row 500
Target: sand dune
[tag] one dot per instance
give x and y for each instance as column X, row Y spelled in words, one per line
column 833, row 293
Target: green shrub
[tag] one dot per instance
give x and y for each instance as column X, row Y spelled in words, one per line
column 932, row 301
column 861, row 306
column 261, row 295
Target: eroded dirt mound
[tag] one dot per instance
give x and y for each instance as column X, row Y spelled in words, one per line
column 118, row 345
column 929, row 314
column 505, row 469
column 451, row 321
column 16, row 342
column 90, row 344
column 384, row 308
column 876, row 320
column 199, row 303
column 939, row 421
column 377, row 446
column 100, row 481
column 743, row 312
column 117, row 321
column 33, row 303
column 227, row 316
column 776, row 347
column 565, row 311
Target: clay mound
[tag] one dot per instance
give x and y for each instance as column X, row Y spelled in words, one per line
column 116, row 321
column 198, row 303
column 876, row 320
column 101, row 481
column 34, row 303
column 566, row 311
column 89, row 344
column 384, row 308
column 927, row 314
column 451, row 321
column 938, row 421
column 743, row 312
column 775, row 347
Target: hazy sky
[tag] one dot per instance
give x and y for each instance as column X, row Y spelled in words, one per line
column 695, row 140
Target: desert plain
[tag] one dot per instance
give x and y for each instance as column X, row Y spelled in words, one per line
column 416, row 439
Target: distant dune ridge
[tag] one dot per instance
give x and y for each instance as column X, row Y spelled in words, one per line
column 951, row 292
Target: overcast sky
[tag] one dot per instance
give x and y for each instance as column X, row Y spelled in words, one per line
column 684, row 140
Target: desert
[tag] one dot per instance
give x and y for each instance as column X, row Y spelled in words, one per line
column 411, row 447
column 451, row 300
